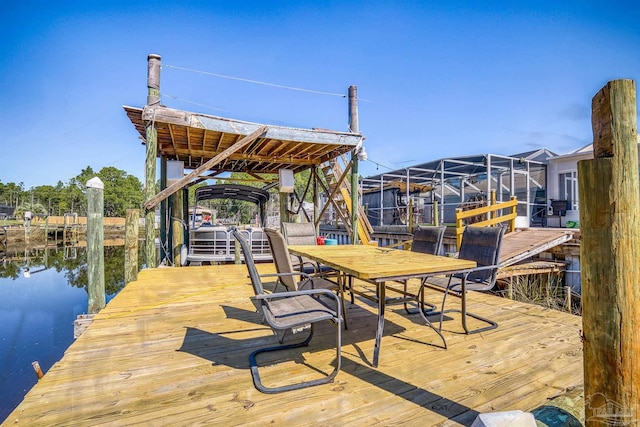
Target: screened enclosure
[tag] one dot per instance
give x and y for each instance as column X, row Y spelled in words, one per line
column 437, row 188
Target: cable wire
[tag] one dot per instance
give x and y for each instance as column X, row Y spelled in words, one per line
column 256, row 81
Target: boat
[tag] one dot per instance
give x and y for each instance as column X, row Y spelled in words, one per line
column 214, row 243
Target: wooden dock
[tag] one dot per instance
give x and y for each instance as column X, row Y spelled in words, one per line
column 172, row 349
column 524, row 243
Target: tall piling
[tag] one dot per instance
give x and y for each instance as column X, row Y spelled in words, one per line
column 131, row 245
column 354, row 127
column 151, row 137
column 610, row 250
column 95, row 245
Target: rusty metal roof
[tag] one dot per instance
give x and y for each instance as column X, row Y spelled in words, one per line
column 196, row 138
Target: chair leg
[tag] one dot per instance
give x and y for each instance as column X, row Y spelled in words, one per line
column 424, row 317
column 353, row 301
column 344, row 306
column 420, row 303
column 256, row 375
column 464, row 313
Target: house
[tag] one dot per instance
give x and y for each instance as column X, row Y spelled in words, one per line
column 562, row 186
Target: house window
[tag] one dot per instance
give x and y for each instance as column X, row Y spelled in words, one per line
column 569, row 189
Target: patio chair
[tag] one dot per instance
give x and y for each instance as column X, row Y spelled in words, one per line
column 304, row 233
column 426, row 240
column 287, row 274
column 479, row 244
column 290, row 310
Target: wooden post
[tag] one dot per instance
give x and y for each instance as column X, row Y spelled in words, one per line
column 236, row 252
column 514, row 211
column 492, row 201
column 164, row 233
column 353, row 127
column 185, row 216
column 410, row 223
column 567, row 299
column 316, row 220
column 177, row 235
column 610, row 250
column 459, row 225
column 95, row 245
column 284, row 207
column 131, row 245
column 436, row 213
column 153, row 98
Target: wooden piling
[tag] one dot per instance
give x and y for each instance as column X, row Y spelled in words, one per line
column 284, row 207
column 153, row 98
column 131, row 245
column 177, row 235
column 610, row 250
column 436, row 213
column 95, row 245
column 354, row 127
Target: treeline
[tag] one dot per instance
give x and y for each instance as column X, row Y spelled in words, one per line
column 121, row 192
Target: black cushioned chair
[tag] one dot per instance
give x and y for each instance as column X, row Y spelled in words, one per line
column 291, row 310
column 479, row 244
column 287, row 274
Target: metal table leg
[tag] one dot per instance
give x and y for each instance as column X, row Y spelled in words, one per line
column 380, row 329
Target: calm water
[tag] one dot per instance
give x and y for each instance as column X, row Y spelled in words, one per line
column 41, row 294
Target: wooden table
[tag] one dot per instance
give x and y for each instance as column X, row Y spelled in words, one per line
column 378, row 265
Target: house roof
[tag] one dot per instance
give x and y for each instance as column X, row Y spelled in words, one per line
column 196, row 139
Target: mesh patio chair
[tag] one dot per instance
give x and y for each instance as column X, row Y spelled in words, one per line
column 290, row 310
column 479, row 244
column 287, row 274
column 426, row 240
column 304, row 233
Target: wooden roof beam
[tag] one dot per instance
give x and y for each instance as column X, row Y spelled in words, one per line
column 173, row 138
column 153, row 202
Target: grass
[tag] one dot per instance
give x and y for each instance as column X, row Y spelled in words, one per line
column 544, row 290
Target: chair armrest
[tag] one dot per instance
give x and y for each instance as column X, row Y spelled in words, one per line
column 295, row 273
column 475, row 269
column 326, row 292
column 404, row 242
column 294, row 294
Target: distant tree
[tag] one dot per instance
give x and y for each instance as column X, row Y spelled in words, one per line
column 47, row 196
column 12, row 194
column 33, row 207
column 121, row 191
column 300, row 181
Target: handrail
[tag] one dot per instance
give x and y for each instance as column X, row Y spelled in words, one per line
column 511, row 217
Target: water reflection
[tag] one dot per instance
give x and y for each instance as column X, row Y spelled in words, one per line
column 42, row 291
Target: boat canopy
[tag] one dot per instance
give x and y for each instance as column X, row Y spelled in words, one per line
column 233, row 191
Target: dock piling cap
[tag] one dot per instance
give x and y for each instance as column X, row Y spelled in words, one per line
column 95, row 182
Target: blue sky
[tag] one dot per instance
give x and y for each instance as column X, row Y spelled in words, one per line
column 435, row 78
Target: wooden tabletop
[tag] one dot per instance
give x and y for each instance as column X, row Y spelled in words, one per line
column 378, row 264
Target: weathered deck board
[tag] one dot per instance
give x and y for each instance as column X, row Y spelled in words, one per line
column 525, row 242
column 172, row 349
